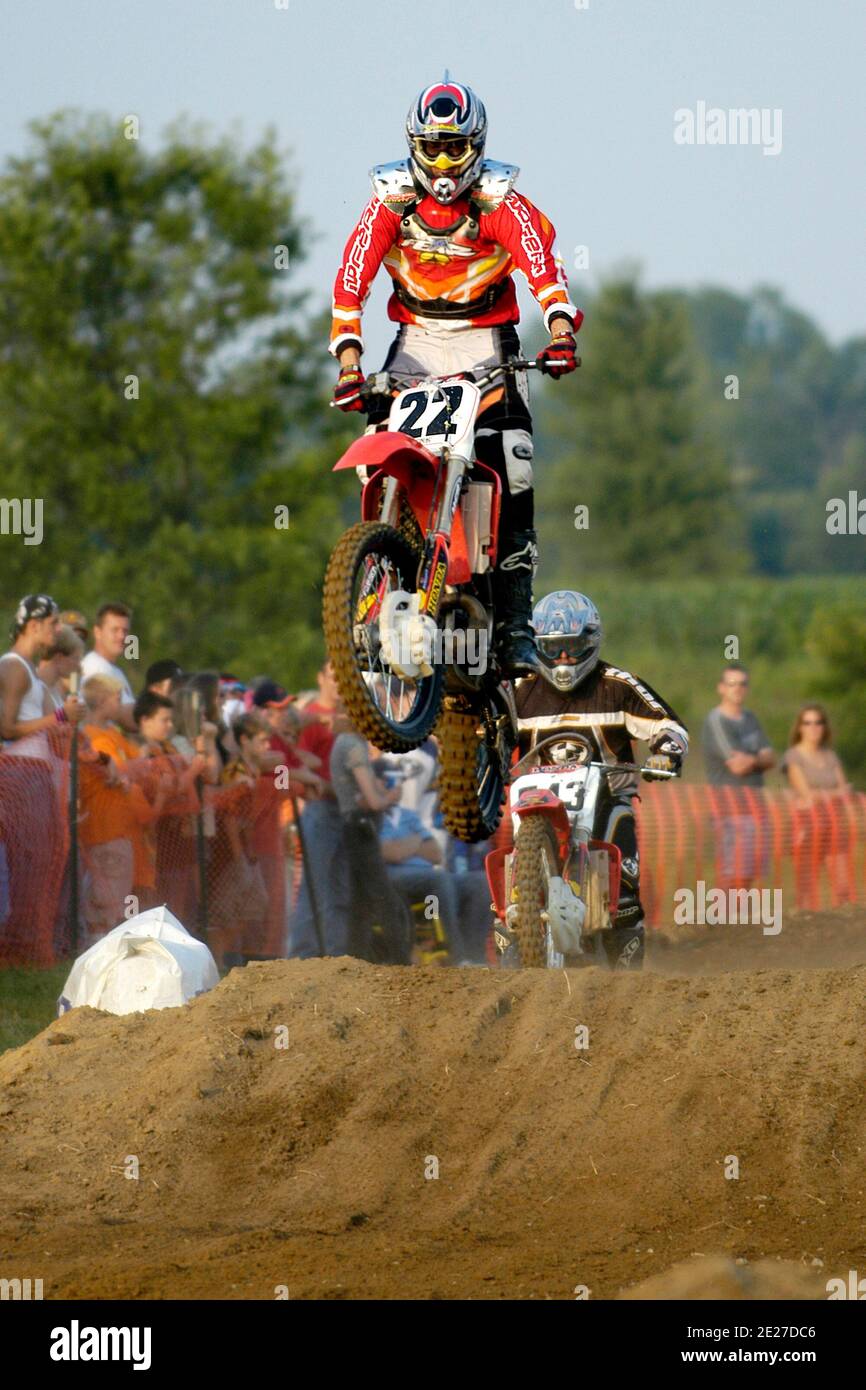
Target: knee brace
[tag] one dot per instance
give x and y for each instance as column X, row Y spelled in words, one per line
column 510, row 453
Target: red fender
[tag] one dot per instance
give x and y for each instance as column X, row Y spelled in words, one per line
column 400, row 456
column 385, row 448
column 538, row 801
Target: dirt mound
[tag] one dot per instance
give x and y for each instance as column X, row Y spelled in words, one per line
column 349, row 1131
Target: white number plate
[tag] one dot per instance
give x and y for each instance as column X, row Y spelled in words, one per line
column 565, row 785
column 437, row 414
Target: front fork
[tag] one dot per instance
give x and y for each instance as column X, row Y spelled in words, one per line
column 434, row 561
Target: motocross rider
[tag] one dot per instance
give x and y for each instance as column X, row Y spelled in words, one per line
column 450, row 229
column 575, row 689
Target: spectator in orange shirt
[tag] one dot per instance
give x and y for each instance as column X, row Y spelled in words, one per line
column 174, row 833
column 240, row 898
column 115, row 815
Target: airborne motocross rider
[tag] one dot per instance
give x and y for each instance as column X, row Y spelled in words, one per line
column 577, row 690
column 450, row 229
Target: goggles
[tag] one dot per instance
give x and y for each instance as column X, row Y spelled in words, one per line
column 443, row 153
column 566, row 645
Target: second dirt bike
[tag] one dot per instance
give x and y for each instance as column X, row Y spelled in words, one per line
column 556, row 892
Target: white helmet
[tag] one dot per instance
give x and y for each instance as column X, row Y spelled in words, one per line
column 446, row 129
column 567, row 637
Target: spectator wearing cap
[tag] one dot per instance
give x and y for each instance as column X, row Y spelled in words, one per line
column 272, row 702
column 163, row 677
column 77, row 621
column 231, row 698
column 26, row 708
column 60, row 663
column 110, row 631
column 31, row 815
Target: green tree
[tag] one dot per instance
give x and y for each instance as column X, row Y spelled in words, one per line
column 836, row 641
column 625, row 440
column 161, row 391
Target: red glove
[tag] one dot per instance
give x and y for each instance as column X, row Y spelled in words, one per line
column 349, row 381
column 559, row 357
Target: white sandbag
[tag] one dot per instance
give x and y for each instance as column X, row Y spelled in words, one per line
column 148, row 962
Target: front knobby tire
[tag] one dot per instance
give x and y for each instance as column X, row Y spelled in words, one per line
column 364, row 543
column 536, row 857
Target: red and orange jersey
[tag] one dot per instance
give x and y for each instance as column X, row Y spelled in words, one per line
column 447, row 256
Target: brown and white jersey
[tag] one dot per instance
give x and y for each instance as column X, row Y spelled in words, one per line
column 611, row 706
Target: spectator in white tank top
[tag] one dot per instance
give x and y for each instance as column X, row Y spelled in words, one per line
column 26, row 708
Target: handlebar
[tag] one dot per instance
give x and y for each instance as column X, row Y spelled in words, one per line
column 386, row 384
column 603, row 767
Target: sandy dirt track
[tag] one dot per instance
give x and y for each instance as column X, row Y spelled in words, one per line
column 304, row 1166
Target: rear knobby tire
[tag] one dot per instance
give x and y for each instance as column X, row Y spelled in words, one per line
column 471, row 812
column 361, row 540
column 534, row 845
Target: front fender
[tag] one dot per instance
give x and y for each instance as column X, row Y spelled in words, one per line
column 390, row 450
column 537, row 801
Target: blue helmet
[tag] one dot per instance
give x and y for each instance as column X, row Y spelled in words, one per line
column 567, row 637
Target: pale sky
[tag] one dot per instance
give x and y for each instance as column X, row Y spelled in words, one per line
column 583, row 99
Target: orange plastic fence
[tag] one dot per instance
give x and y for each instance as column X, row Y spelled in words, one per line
column 733, row 837
column 223, row 858
column 228, row 860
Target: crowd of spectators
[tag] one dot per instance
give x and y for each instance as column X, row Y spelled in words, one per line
column 208, row 793
column 265, row 819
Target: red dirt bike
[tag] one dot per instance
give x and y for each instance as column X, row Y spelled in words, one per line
column 556, row 892
column 407, row 605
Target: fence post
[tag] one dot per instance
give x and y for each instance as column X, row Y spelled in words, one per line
column 73, row 826
column 199, row 827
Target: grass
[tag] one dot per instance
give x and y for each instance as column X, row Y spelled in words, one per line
column 28, row 1002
